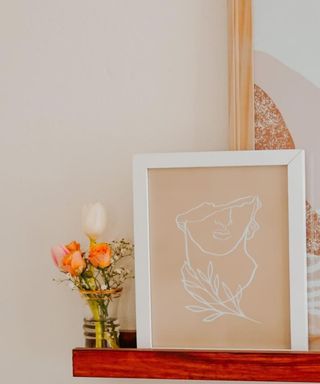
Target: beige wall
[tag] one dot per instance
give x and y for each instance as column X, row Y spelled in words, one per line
column 84, row 85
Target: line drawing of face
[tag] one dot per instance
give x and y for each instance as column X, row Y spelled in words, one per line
column 219, row 229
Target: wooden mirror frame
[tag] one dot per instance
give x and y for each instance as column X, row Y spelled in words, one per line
column 240, row 74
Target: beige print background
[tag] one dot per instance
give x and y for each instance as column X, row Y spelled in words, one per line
column 266, row 300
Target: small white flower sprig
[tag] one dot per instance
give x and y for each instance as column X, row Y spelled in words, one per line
column 121, row 249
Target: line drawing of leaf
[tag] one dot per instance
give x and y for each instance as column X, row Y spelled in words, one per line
column 210, row 271
column 238, row 297
column 195, row 308
column 203, row 277
column 212, row 317
column 206, row 291
column 199, row 298
column 187, row 270
column 216, row 283
column 227, row 291
column 190, row 284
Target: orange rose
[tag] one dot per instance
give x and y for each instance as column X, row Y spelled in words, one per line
column 73, row 262
column 100, row 255
column 73, row 246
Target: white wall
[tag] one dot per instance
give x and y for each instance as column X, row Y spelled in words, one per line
column 84, row 85
column 289, row 30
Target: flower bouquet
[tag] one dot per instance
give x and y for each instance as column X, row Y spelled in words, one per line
column 98, row 274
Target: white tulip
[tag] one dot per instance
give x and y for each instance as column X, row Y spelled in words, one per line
column 93, row 220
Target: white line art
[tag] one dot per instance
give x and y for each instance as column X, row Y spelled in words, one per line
column 215, row 238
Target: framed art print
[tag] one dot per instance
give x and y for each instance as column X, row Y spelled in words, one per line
column 220, row 250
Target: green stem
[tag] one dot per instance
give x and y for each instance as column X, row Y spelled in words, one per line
column 94, row 306
column 112, row 336
column 99, row 310
column 106, row 280
column 112, row 340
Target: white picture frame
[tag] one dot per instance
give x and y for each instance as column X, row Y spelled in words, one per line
column 293, row 160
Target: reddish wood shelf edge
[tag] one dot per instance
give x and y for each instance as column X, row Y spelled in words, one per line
column 197, row 365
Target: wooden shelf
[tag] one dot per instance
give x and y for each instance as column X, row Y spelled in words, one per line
column 197, row 365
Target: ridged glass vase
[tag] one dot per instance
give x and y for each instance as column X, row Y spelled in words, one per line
column 101, row 326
